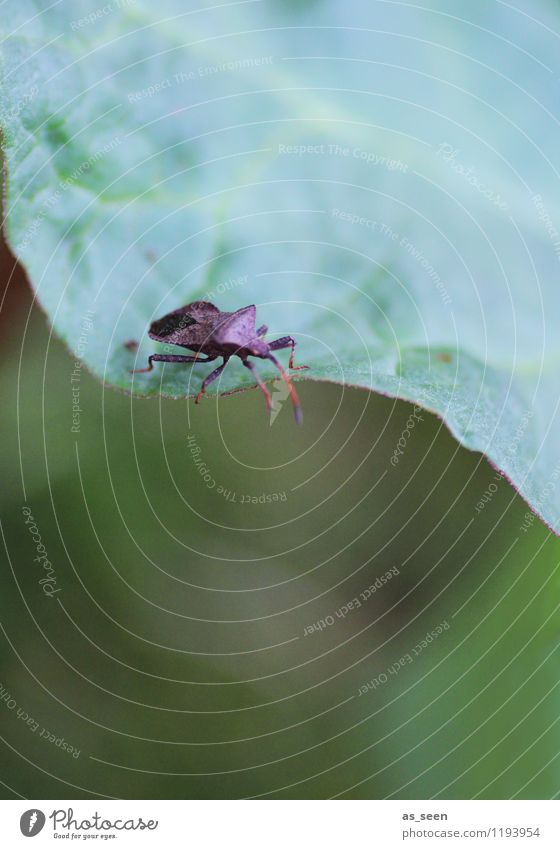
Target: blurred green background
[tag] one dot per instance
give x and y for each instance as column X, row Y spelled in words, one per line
column 174, row 657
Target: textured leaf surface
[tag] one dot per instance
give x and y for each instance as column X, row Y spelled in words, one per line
column 381, row 179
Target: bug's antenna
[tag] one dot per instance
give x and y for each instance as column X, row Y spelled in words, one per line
column 293, row 394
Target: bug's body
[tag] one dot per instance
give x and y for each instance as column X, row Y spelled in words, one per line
column 203, row 328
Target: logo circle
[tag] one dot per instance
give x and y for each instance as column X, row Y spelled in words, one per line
column 31, row 822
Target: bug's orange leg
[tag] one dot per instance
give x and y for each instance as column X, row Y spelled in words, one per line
column 262, row 385
column 293, row 394
column 287, row 342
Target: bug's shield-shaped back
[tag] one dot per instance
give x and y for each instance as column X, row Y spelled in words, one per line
column 238, row 329
column 171, row 328
column 202, row 311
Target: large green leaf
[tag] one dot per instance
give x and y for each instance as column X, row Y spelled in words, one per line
column 381, row 179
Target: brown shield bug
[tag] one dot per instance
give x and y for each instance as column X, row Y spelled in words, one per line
column 203, row 328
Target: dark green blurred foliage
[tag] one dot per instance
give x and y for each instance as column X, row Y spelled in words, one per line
column 174, row 655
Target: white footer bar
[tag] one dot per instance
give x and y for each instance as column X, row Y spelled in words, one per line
column 282, row 824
